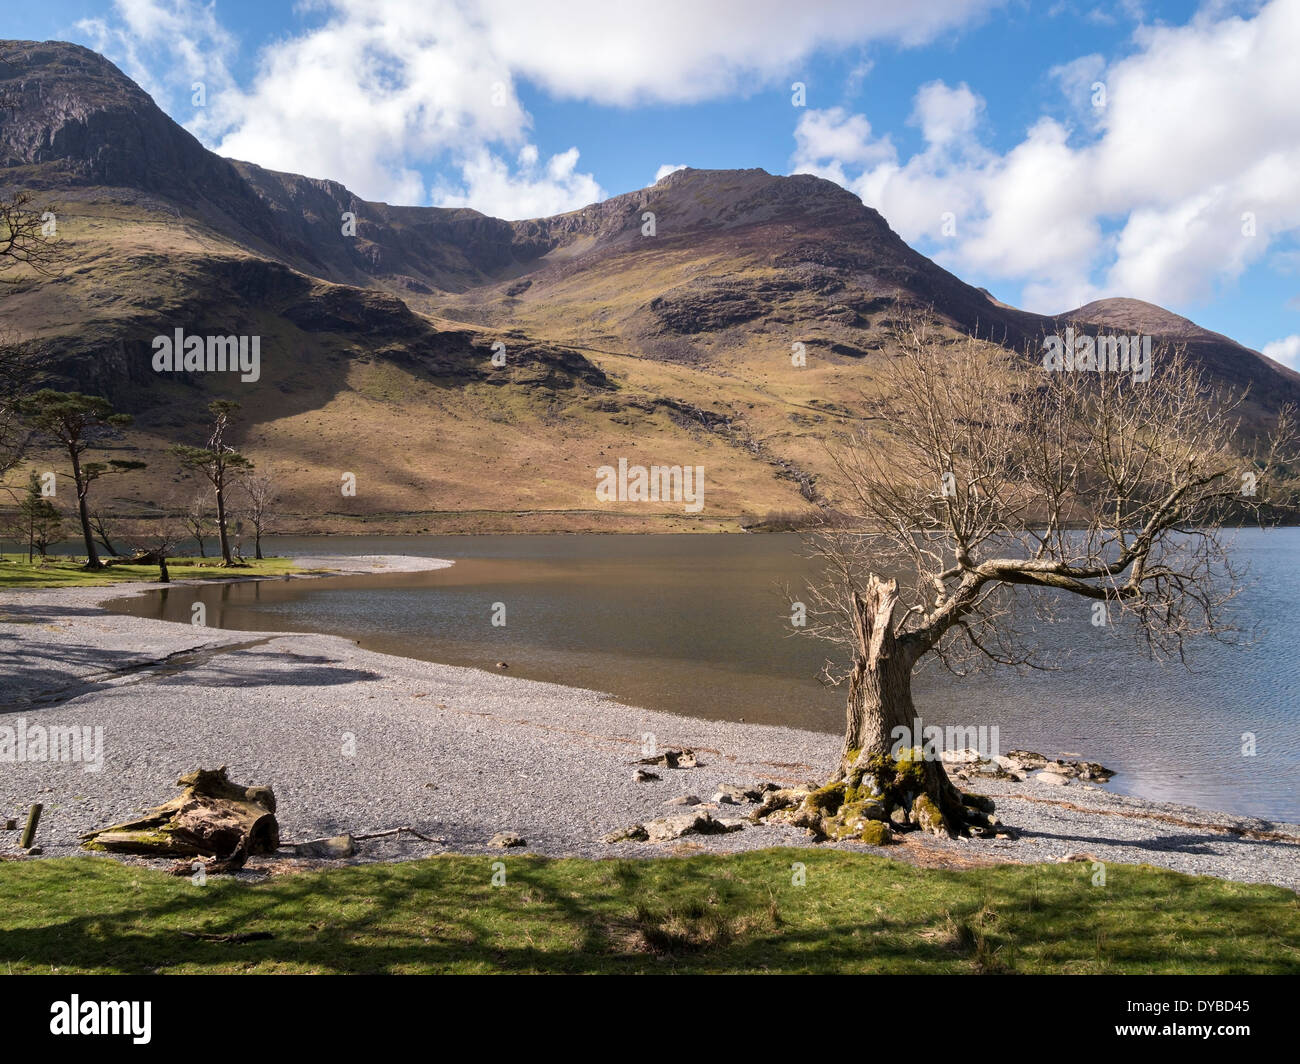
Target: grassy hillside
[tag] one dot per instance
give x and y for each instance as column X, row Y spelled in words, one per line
column 671, row 349
column 438, row 438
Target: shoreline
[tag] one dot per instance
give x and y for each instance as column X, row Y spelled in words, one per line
column 460, row 754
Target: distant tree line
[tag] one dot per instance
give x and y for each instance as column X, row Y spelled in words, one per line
column 82, row 426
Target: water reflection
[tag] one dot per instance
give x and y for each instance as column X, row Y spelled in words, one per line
column 697, row 625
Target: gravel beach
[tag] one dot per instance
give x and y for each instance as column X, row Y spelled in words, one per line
column 355, row 741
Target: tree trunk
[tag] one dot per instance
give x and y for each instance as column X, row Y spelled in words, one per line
column 221, row 524
column 92, row 556
column 257, row 544
column 163, row 576
column 879, row 702
column 880, row 686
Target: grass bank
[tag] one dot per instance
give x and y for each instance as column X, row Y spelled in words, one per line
column 17, row 572
column 735, row 913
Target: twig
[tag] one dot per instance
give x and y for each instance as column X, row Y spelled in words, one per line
column 396, row 831
column 244, row 936
column 284, row 844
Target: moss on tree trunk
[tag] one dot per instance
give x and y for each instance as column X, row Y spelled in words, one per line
column 877, row 784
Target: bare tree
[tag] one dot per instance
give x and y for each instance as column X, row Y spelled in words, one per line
column 26, row 237
column 999, row 490
column 26, row 241
column 197, row 520
column 98, row 527
column 261, row 494
column 217, row 462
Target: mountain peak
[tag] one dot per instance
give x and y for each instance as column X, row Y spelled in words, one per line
column 756, row 188
column 82, row 122
column 56, row 94
column 52, row 58
column 375, row 312
column 691, row 174
column 695, row 201
column 1122, row 312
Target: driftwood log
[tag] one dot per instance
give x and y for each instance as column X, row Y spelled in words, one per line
column 211, row 817
column 143, row 557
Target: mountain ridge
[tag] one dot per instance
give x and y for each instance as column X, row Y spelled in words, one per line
column 619, row 341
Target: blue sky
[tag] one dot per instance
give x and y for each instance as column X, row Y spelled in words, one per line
column 1052, row 152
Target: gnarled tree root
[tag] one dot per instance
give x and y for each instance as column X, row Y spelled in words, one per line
column 879, row 796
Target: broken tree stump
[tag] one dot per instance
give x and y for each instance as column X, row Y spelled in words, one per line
column 211, row 817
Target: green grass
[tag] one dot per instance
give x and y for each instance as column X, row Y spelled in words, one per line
column 738, row 913
column 15, row 572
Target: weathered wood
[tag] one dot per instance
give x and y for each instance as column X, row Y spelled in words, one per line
column 144, row 557
column 880, row 686
column 337, row 846
column 212, row 817
column 214, row 783
column 139, row 842
column 880, row 699
column 212, row 866
column 29, row 830
column 396, row 831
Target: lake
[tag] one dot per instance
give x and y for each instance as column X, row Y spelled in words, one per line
column 698, row 625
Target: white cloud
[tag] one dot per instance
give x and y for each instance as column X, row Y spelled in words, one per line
column 373, row 94
column 681, row 51
column 1198, row 142
column 1286, row 351
column 378, row 90
column 1077, row 79
column 860, row 72
column 196, row 46
column 665, row 170
column 531, row 191
column 946, row 115
column 836, row 134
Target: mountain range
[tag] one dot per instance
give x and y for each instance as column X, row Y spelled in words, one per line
column 656, row 326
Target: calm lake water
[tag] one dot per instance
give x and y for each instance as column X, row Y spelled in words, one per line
column 698, row 625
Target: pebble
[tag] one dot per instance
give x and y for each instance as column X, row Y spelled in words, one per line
column 541, row 762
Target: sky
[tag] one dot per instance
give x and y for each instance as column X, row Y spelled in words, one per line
column 1050, row 151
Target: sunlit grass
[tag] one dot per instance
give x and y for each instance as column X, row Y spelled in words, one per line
column 745, row 913
column 63, row 571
